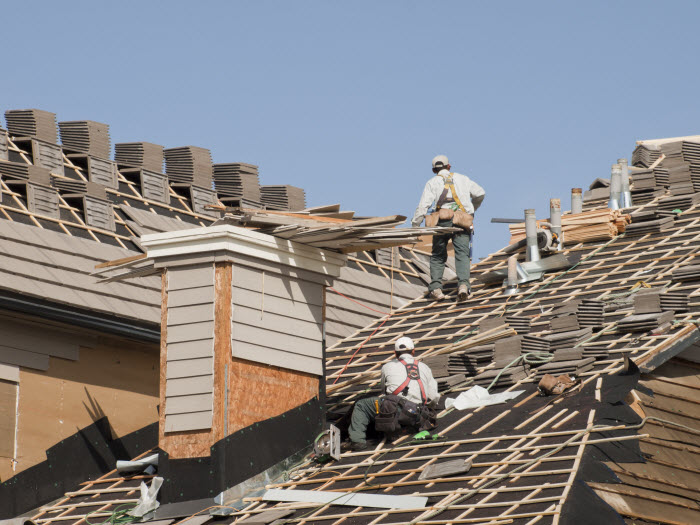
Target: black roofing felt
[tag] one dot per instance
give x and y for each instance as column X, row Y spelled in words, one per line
column 84, row 456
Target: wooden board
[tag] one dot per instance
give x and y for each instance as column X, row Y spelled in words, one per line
column 258, row 392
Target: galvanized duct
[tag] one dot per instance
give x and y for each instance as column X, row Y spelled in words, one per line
column 626, row 194
column 533, row 252
column 615, row 187
column 555, row 221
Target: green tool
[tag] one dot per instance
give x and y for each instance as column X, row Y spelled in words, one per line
column 426, row 436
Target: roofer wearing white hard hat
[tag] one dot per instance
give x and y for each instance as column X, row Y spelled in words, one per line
column 449, row 199
column 409, row 393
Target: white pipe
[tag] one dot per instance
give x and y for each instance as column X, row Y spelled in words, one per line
column 533, row 252
column 615, row 187
column 576, row 200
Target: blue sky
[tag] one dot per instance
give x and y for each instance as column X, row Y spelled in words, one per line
column 351, row 100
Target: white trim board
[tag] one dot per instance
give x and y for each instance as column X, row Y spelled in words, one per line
column 355, row 499
column 246, row 242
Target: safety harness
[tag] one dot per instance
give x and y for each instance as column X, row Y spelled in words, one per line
column 412, row 374
column 449, row 186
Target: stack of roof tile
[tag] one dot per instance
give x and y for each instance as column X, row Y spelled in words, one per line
column 589, row 312
column 468, row 361
column 520, row 324
column 645, row 155
column 680, row 202
column 574, row 367
column 237, row 179
column 189, row 164
column 32, row 123
column 3, row 145
column 86, row 136
column 686, row 273
column 644, row 322
column 656, row 301
column 509, row 376
column 19, row 171
column 283, row 197
column 143, row 154
column 655, row 226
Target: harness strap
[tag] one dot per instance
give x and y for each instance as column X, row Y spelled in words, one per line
column 412, row 374
column 449, row 185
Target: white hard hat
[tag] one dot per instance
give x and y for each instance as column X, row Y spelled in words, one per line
column 440, row 161
column 404, row 344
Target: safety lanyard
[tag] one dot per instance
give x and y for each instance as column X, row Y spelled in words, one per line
column 449, row 184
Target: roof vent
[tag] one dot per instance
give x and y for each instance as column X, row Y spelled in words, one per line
column 626, row 194
column 615, row 187
column 533, row 251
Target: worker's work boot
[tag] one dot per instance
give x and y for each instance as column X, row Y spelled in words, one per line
column 463, row 293
column 437, row 295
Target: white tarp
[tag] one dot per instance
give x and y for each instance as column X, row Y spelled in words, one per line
column 477, row 396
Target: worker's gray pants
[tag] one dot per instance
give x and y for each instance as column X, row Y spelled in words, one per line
column 363, row 414
column 460, row 241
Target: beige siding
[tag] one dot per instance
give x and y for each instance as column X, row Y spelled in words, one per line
column 277, row 319
column 190, row 338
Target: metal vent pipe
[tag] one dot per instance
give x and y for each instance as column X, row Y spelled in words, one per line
column 555, row 221
column 615, row 187
column 576, row 200
column 512, row 280
column 626, row 194
column 533, row 251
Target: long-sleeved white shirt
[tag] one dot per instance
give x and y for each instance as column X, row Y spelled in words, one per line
column 394, row 374
column 469, row 193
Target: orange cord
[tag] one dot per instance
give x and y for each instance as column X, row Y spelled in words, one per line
column 357, row 302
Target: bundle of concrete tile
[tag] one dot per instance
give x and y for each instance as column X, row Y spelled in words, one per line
column 237, row 179
column 651, row 312
column 588, row 312
column 32, row 123
column 20, row 171
column 470, row 360
column 574, row 367
column 653, row 226
column 645, row 154
column 189, row 164
column 86, row 136
column 678, row 202
column 689, row 272
column 283, row 197
column 142, row 154
column 566, row 338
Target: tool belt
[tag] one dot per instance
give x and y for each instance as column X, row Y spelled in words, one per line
column 459, row 218
column 550, row 385
column 397, row 411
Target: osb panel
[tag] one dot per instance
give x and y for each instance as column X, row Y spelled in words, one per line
column 197, row 443
column 258, row 392
column 8, row 408
column 110, row 379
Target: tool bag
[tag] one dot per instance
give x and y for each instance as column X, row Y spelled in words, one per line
column 459, row 218
column 553, row 386
column 396, row 411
